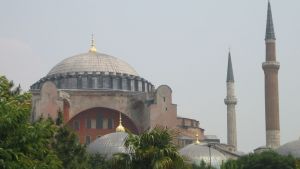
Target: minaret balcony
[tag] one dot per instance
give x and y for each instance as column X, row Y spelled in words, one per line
column 270, row 65
column 230, row 100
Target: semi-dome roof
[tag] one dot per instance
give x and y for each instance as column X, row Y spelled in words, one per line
column 109, row 144
column 93, row 62
column 196, row 152
column 290, row 148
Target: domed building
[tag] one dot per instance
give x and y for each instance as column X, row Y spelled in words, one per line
column 91, row 90
column 198, row 152
column 290, row 148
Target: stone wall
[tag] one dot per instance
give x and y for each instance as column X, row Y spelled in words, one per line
column 163, row 112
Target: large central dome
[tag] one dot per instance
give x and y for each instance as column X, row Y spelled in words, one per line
column 95, row 71
column 92, row 62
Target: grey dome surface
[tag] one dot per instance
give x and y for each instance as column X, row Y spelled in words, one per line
column 198, row 152
column 109, row 144
column 290, row 148
column 92, row 62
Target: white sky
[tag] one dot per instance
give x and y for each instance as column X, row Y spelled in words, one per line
column 181, row 43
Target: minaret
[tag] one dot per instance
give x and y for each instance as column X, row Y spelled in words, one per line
column 271, row 67
column 231, row 101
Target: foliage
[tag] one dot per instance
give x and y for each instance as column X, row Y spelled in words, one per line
column 23, row 144
column 98, row 161
column 203, row 165
column 72, row 154
column 298, row 163
column 40, row 144
column 264, row 160
column 120, row 161
column 153, row 150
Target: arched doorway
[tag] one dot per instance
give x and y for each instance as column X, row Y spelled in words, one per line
column 95, row 122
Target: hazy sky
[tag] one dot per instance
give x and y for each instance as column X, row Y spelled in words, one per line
column 181, row 43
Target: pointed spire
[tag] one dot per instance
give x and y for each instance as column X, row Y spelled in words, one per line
column 120, row 128
column 270, row 33
column 93, row 46
column 230, row 77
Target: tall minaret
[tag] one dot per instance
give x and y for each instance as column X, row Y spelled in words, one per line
column 271, row 67
column 231, row 101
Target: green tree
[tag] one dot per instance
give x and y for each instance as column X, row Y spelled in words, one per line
column 298, row 163
column 98, row 161
column 23, row 144
column 230, row 164
column 67, row 147
column 154, row 150
column 203, row 165
column 264, row 160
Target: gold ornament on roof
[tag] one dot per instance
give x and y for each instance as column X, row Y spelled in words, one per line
column 120, row 128
column 197, row 139
column 93, row 45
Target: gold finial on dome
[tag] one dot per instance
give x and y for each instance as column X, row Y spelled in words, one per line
column 197, row 139
column 120, row 128
column 93, row 46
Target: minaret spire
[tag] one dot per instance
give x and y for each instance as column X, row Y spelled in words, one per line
column 270, row 33
column 231, row 101
column 230, row 77
column 271, row 67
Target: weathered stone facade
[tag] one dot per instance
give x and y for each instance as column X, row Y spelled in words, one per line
column 91, row 90
column 188, row 130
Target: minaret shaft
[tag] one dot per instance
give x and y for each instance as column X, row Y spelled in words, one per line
column 231, row 125
column 271, row 67
column 231, row 101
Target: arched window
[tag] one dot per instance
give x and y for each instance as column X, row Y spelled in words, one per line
column 88, row 123
column 99, row 121
column 76, row 124
column 79, row 83
column 87, row 140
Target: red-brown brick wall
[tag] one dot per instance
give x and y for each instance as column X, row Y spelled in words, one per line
column 66, row 110
column 94, row 132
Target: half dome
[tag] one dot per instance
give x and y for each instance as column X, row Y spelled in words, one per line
column 93, row 62
column 198, row 152
column 290, row 148
column 109, row 144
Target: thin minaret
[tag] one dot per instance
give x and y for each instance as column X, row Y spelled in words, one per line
column 231, row 101
column 271, row 67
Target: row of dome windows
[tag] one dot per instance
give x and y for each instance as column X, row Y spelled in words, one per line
column 101, row 82
column 98, row 123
